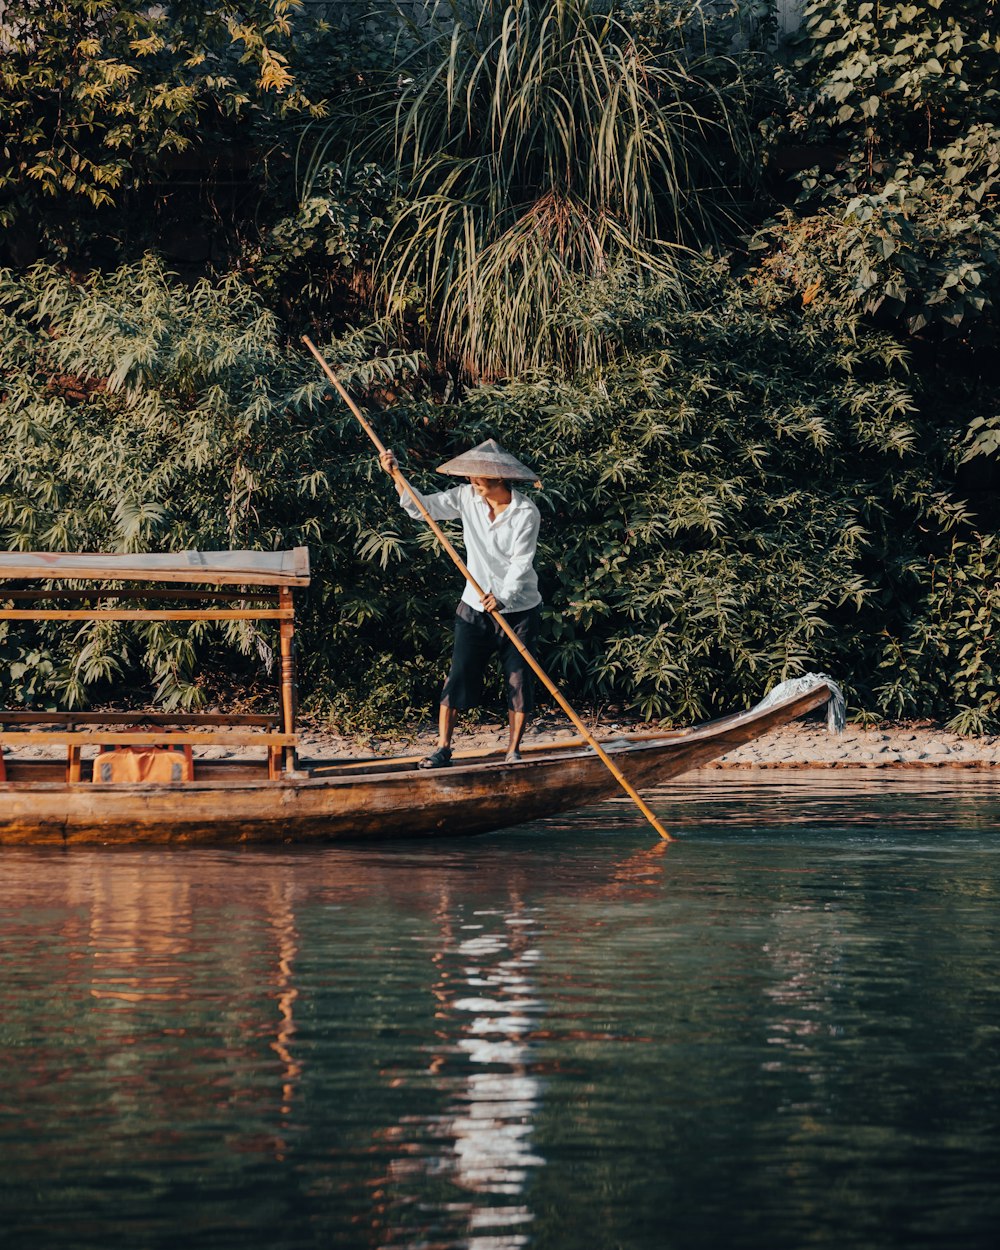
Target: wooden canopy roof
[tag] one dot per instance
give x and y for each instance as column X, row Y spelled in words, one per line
column 212, row 568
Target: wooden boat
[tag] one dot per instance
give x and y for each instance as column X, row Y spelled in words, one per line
column 279, row 797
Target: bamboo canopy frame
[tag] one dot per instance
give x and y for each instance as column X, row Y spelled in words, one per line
column 212, row 568
column 273, row 575
column 442, row 538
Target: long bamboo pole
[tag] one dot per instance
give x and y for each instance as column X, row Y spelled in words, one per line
column 442, row 538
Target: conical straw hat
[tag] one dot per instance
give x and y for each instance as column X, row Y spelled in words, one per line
column 489, row 460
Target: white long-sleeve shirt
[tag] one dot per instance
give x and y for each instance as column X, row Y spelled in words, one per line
column 498, row 553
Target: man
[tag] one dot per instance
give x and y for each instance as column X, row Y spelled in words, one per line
column 500, row 529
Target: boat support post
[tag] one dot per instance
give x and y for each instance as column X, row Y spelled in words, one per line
column 289, row 686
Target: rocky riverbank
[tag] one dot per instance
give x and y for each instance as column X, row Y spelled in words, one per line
column 891, row 746
column 801, row 745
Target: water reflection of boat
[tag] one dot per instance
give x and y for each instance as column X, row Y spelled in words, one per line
column 281, row 797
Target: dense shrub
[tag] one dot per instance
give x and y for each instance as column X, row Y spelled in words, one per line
column 315, row 264
column 141, row 414
column 99, row 97
column 944, row 658
column 905, row 95
column 746, row 491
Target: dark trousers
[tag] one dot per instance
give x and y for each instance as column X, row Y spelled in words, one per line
column 477, row 639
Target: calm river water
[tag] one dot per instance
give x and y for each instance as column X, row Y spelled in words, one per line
column 781, row 1030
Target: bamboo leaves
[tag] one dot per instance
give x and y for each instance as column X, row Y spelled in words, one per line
column 734, row 497
column 143, row 414
column 739, row 491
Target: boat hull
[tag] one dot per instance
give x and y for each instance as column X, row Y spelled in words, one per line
column 379, row 800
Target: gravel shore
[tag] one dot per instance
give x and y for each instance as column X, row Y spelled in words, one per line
column 893, row 746
column 801, row 745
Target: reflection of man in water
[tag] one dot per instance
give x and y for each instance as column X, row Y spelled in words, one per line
column 480, row 1135
column 500, row 530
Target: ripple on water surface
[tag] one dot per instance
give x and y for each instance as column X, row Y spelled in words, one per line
column 781, row 1030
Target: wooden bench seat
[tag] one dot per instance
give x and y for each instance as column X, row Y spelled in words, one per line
column 276, row 743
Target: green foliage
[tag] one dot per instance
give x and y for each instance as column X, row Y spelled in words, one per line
column 983, row 437
column 538, row 141
column 724, row 29
column 96, row 94
column 906, row 95
column 742, row 492
column 948, row 655
column 323, row 254
column 139, row 414
column 909, row 252
column 745, row 477
column 745, row 492
column 902, row 74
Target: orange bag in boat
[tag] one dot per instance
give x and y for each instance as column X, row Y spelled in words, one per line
column 156, row 765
